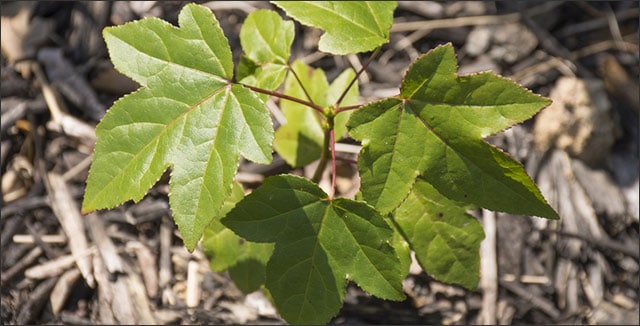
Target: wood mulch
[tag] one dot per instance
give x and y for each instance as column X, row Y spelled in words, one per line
column 128, row 265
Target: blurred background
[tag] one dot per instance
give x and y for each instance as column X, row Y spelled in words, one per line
column 128, row 265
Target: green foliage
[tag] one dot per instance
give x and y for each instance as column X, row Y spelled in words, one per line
column 246, row 261
column 351, row 26
column 423, row 164
column 185, row 116
column 434, row 129
column 319, row 243
column 300, row 140
column 266, row 41
column 445, row 238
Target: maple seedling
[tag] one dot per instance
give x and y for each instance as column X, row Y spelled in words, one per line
column 423, row 164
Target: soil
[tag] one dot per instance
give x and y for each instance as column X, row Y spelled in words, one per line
column 128, row 265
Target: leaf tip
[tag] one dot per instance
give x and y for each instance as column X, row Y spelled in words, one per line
column 84, row 211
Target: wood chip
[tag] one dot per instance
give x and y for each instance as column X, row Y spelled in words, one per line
column 47, row 238
column 193, row 284
column 50, row 268
column 65, row 209
column 20, row 265
column 123, row 305
column 32, row 309
column 147, row 261
column 105, row 292
column 136, row 290
column 488, row 270
column 69, row 82
column 62, row 290
column 543, row 304
column 107, row 249
column 165, row 274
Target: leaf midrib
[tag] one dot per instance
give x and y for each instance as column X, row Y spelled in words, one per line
column 171, row 63
column 359, row 245
column 315, row 249
column 462, row 155
column 344, row 18
column 155, row 141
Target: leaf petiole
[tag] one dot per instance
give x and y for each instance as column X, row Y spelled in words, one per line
column 295, row 75
column 332, row 142
column 284, row 96
column 364, row 67
column 327, row 146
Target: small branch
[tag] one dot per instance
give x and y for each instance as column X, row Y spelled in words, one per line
column 284, row 96
column 488, row 270
column 357, row 106
column 347, row 108
column 364, row 67
column 323, row 157
column 295, row 75
column 332, row 142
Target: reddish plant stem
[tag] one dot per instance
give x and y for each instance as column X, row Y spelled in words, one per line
column 347, row 108
column 364, row 67
column 323, row 157
column 332, row 141
column 295, row 75
column 284, row 96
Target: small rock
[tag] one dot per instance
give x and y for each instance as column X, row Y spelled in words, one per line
column 579, row 120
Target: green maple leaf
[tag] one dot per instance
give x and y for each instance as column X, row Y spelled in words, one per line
column 299, row 140
column 351, row 26
column 266, row 41
column 445, row 239
column 318, row 244
column 434, row 130
column 186, row 116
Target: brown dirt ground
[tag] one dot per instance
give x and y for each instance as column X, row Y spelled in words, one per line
column 582, row 151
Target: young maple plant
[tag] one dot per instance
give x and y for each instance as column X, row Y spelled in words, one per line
column 423, row 164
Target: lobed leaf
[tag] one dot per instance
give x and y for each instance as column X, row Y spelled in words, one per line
column 434, row 130
column 266, row 41
column 265, row 37
column 185, row 116
column 318, row 243
column 350, row 26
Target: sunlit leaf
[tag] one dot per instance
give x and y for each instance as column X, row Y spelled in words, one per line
column 185, row 116
column 350, row 26
column 434, row 129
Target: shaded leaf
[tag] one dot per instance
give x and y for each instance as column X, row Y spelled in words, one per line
column 445, row 239
column 265, row 37
column 246, row 261
column 319, row 244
